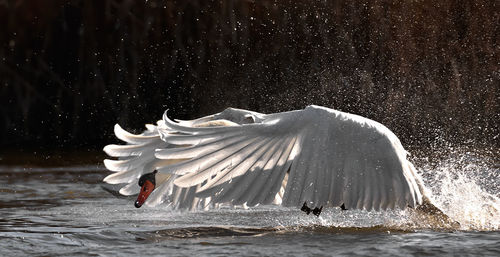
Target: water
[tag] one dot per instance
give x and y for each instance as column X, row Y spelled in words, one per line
column 53, row 207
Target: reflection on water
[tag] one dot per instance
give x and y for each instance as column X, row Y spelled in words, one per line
column 66, row 210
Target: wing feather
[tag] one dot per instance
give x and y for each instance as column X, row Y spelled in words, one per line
column 256, row 189
column 130, row 189
column 213, row 163
column 234, row 176
column 242, row 188
column 275, row 183
column 131, row 138
column 131, row 150
column 196, row 150
column 317, row 154
column 297, row 174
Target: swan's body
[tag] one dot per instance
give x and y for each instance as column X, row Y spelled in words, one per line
column 316, row 155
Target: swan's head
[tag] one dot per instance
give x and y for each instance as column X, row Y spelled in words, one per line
column 147, row 182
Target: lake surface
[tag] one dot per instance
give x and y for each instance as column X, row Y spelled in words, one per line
column 56, row 204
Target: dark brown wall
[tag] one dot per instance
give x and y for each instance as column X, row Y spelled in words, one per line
column 69, row 70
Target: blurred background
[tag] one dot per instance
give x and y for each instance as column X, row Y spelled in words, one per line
column 70, row 70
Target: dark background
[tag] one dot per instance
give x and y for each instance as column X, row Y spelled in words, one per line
column 70, row 70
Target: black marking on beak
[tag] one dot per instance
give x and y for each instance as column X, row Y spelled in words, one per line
column 148, row 176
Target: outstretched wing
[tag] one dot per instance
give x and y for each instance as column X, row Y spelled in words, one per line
column 317, row 154
column 137, row 157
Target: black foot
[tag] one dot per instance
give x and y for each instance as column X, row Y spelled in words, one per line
column 317, row 211
column 305, row 208
column 343, row 207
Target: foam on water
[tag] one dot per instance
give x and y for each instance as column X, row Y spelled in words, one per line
column 465, row 185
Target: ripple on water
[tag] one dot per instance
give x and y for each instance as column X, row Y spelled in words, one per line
column 66, row 211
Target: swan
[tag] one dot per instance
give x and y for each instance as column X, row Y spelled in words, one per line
column 316, row 155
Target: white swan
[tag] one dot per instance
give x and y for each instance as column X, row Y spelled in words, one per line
column 316, row 155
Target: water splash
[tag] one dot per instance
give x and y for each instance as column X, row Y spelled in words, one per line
column 465, row 185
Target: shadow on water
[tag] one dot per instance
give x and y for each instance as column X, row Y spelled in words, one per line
column 219, row 231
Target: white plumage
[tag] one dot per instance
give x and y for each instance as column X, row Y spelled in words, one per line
column 319, row 155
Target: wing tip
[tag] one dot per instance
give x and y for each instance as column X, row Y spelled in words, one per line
column 108, row 163
column 110, row 179
column 109, row 150
column 122, row 134
column 116, row 165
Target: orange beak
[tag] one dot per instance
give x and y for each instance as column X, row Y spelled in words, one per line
column 146, row 190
